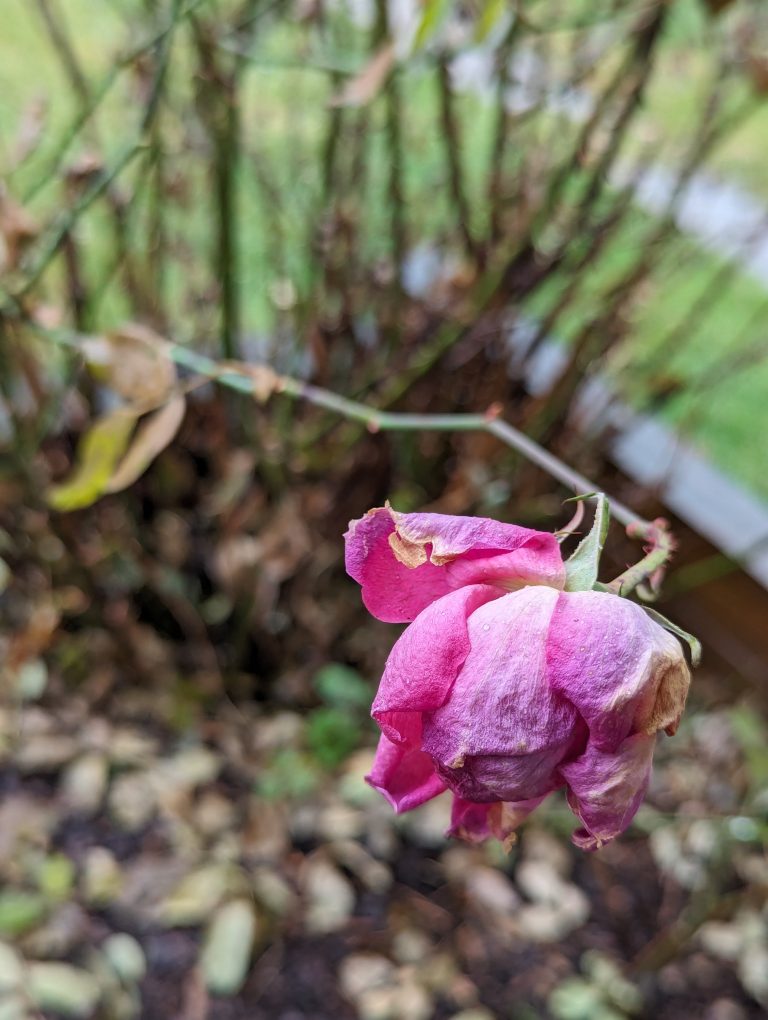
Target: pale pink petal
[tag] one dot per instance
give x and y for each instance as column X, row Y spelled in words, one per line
column 406, row 561
column 605, row 788
column 425, row 661
column 406, row 777
column 622, row 671
column 502, row 732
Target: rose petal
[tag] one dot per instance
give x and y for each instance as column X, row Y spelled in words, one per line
column 406, row 777
column 477, row 822
column 502, row 731
column 622, row 671
column 424, row 663
column 404, row 562
column 605, row 788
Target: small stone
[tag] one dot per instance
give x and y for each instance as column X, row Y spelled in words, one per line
column 84, row 782
column 540, row 845
column 411, row 946
column 272, row 891
column 539, row 881
column 126, row 956
column 413, row 1002
column 11, row 969
column 65, row 928
column 339, row 821
column 14, row 1008
column 229, row 944
column 132, row 800
column 753, row 971
column 32, row 679
column 196, row 896
column 62, row 989
column 542, row 922
column 214, row 814
column 361, row 972
column 722, row 940
column 372, row 873
column 428, row 825
column 331, row 898
column 131, row 747
column 491, row 890
column 189, row 768
column 725, row 1009
column 102, row 878
column 46, row 752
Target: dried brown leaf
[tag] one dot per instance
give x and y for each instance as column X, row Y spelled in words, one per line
column 133, row 361
column 17, row 228
column 366, row 85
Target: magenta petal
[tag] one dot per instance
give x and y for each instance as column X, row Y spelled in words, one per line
column 502, row 732
column 605, row 789
column 424, row 663
column 406, row 777
column 469, row 821
column 477, row 822
column 404, row 562
column 623, row 672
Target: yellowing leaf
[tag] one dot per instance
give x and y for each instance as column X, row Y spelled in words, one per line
column 493, row 12
column 434, row 14
column 152, row 436
column 366, row 85
column 100, row 449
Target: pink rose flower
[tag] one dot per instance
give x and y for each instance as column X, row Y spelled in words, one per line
column 504, row 687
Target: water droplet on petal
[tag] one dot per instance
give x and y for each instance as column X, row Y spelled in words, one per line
column 486, row 626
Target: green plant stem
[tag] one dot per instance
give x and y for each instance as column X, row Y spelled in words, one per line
column 394, row 421
column 250, row 378
column 646, row 575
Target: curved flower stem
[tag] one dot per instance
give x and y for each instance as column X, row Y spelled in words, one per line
column 646, row 575
column 261, row 381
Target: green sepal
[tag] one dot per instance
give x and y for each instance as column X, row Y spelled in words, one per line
column 582, row 567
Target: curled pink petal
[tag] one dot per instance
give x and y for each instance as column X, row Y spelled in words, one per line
column 425, row 661
column 605, row 788
column 406, row 561
column 623, row 672
column 476, row 823
column 404, row 776
column 502, row 732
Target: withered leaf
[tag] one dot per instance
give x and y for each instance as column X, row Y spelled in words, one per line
column 134, row 362
column 99, row 451
column 152, row 436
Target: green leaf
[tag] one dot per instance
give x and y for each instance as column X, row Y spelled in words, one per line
column 493, row 12
column 290, row 774
column 332, row 735
column 56, row 877
column 693, row 643
column 20, row 911
column 582, row 567
column 100, row 449
column 342, row 687
column 434, row 13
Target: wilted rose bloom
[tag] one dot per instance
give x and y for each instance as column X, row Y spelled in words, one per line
column 505, row 687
